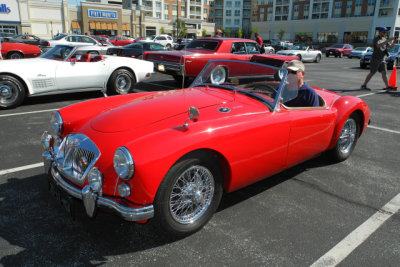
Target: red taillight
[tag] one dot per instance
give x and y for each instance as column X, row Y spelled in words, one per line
column 132, row 56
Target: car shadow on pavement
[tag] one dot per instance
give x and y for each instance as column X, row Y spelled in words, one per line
column 39, row 232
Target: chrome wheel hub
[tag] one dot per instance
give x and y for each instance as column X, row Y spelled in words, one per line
column 191, row 194
column 5, row 91
column 8, row 93
column 347, row 136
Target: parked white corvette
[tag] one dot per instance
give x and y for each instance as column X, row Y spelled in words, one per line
column 303, row 52
column 62, row 69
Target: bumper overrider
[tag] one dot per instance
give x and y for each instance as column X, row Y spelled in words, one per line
column 91, row 199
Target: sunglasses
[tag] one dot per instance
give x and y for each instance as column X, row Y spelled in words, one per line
column 292, row 72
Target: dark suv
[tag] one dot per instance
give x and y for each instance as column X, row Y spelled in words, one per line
column 339, row 50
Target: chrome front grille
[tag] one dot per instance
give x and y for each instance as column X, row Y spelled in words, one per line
column 76, row 156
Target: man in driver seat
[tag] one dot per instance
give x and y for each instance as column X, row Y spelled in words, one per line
column 306, row 97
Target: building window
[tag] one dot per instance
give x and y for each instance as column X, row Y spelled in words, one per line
column 166, row 6
column 338, row 5
column 296, row 8
column 269, row 10
column 228, row 12
column 358, row 2
column 371, row 2
column 174, row 8
column 237, row 21
column 306, row 7
column 237, row 12
column 228, row 21
column 349, row 4
column 228, row 3
column 237, row 3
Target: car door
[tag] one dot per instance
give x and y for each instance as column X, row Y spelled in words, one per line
column 310, row 133
column 80, row 75
column 347, row 49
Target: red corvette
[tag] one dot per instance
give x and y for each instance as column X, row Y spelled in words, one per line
column 19, row 50
column 168, row 156
column 189, row 62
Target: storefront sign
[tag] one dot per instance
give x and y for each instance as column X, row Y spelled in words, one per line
column 4, row 9
column 102, row 14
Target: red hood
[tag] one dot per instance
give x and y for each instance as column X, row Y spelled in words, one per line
column 173, row 56
column 157, row 107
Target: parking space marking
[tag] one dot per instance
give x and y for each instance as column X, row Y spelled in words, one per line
column 339, row 252
column 22, row 168
column 383, row 129
column 29, row 112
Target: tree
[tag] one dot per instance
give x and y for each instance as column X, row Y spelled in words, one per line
column 162, row 30
column 255, row 30
column 179, row 28
column 281, row 33
column 228, row 33
column 240, row 33
column 203, row 33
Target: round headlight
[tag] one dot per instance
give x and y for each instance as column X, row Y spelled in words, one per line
column 95, row 179
column 57, row 124
column 123, row 163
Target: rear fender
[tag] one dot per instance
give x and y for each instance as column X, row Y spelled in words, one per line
column 345, row 106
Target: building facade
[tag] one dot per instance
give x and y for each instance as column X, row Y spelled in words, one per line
column 325, row 21
column 232, row 16
column 46, row 19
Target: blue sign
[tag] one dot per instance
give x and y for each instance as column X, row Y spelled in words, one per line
column 102, row 14
column 4, row 9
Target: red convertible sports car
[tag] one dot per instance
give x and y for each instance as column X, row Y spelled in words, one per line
column 19, row 50
column 168, row 156
column 189, row 62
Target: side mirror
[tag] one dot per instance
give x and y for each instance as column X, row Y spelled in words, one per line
column 194, row 114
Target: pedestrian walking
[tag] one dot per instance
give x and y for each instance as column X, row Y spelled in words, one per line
column 378, row 59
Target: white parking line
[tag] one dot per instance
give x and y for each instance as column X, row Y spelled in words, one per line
column 383, row 129
column 22, row 168
column 339, row 252
column 29, row 112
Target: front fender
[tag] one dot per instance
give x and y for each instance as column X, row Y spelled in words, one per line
column 345, row 106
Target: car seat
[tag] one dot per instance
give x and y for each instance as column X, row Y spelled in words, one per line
column 97, row 58
column 85, row 58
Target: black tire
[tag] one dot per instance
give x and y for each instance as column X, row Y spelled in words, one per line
column 121, row 82
column 396, row 62
column 199, row 197
column 168, row 46
column 390, row 65
column 363, row 66
column 327, row 54
column 349, row 56
column 12, row 92
column 14, row 55
column 317, row 59
column 299, row 56
column 347, row 139
column 341, row 55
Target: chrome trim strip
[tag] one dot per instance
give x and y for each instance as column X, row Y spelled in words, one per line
column 127, row 213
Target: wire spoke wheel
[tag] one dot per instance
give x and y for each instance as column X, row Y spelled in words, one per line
column 347, row 136
column 191, row 194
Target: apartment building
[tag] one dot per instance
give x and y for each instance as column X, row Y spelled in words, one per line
column 232, row 15
column 349, row 21
column 161, row 14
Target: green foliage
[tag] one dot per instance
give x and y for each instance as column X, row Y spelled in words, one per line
column 203, row 33
column 240, row 33
column 179, row 29
column 281, row 33
column 162, row 30
column 228, row 33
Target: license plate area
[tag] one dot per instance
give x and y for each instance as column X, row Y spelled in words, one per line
column 66, row 201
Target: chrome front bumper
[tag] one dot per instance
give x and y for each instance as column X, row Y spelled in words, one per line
column 92, row 200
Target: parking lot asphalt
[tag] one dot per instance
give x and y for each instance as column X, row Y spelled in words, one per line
column 315, row 213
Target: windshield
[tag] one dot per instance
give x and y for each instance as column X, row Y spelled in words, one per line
column 337, row 46
column 254, row 80
column 59, row 52
column 58, row 37
column 298, row 47
column 360, row 48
